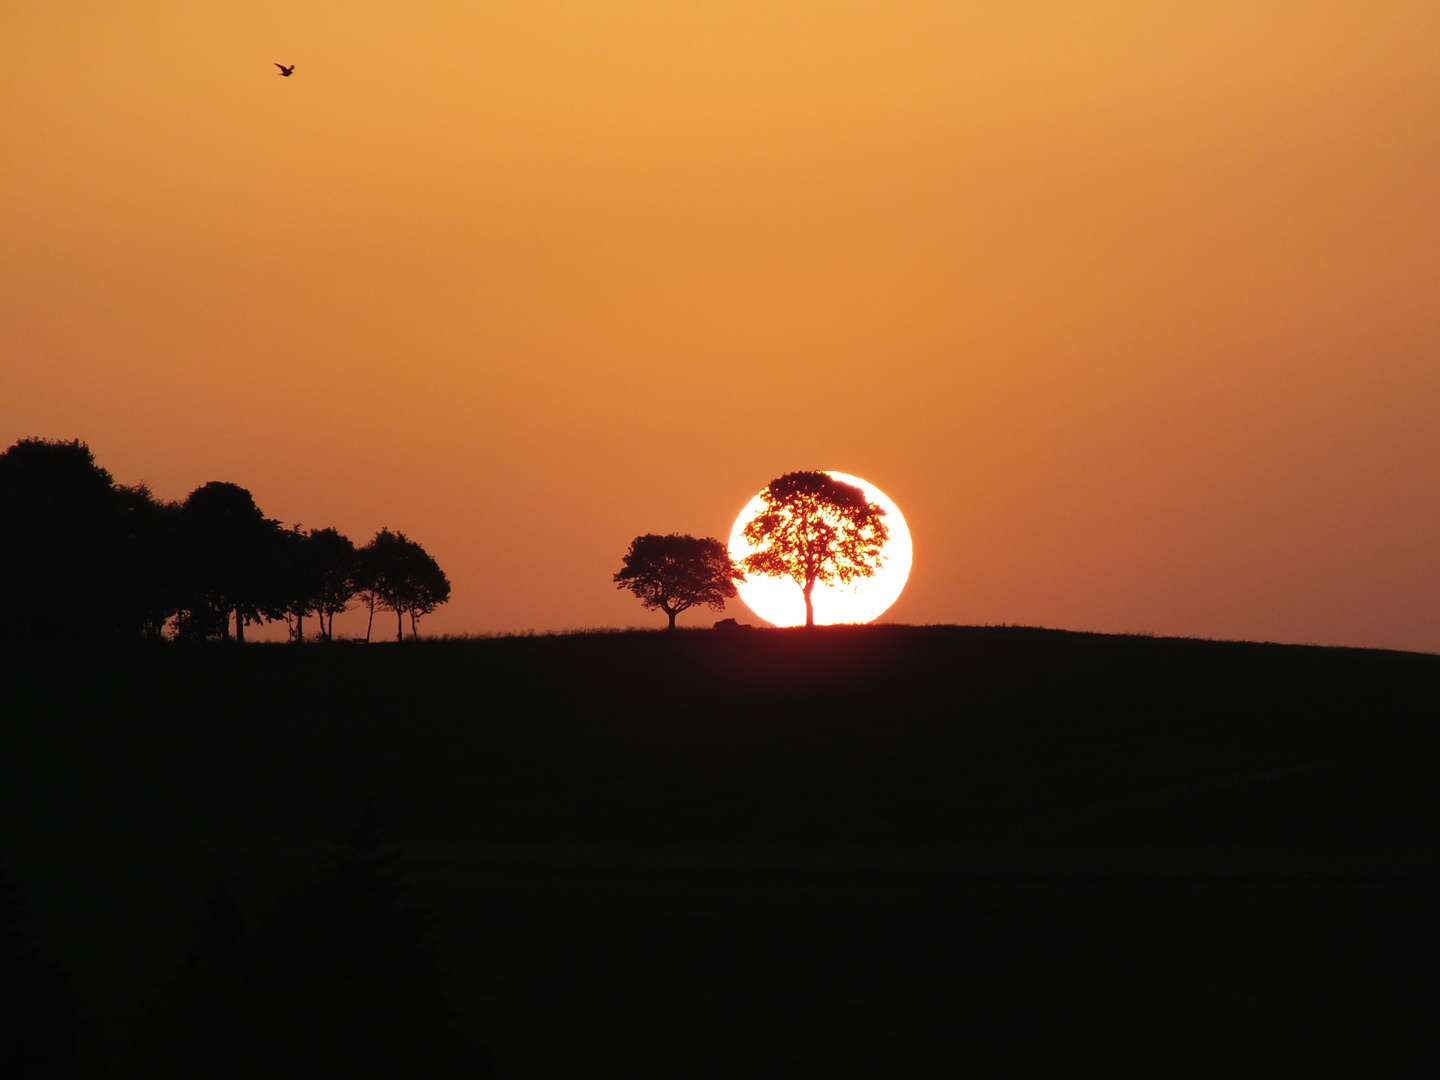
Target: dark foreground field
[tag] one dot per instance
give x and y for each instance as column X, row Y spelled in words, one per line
column 876, row 852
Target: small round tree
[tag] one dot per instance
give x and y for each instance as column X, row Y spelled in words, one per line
column 677, row 572
column 401, row 576
column 815, row 528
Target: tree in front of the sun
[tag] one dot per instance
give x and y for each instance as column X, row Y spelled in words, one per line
column 397, row 574
column 677, row 572
column 813, row 528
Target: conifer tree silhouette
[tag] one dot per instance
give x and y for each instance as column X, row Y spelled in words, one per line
column 38, row 1018
column 339, row 977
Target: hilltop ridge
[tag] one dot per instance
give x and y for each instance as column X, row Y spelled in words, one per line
column 636, row 837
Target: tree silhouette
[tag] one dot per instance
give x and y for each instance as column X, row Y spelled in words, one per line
column 319, row 573
column 677, row 572
column 334, row 559
column 300, row 588
column 82, row 557
column 340, row 976
column 366, row 579
column 401, row 576
column 233, row 557
column 69, row 543
column 815, row 528
column 152, row 581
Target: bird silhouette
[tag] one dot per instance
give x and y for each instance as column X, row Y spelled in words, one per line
column 287, row 72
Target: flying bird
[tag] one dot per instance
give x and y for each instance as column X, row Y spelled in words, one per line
column 287, row 72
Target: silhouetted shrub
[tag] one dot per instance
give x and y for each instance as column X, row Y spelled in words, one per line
column 338, row 977
column 38, row 1019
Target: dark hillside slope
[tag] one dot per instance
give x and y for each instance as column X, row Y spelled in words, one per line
column 854, row 852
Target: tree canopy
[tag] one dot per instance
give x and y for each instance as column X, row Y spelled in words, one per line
column 335, row 565
column 401, row 576
column 676, row 572
column 815, row 528
column 66, row 544
column 320, row 578
column 233, row 556
column 84, row 558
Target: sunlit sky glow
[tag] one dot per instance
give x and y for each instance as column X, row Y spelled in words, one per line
column 1130, row 305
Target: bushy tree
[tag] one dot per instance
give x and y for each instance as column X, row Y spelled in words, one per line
column 234, row 562
column 399, row 575
column 320, row 579
column 676, row 572
column 334, row 560
column 815, row 528
column 299, row 588
column 153, row 584
column 73, row 547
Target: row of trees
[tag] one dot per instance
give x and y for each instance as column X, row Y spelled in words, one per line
column 82, row 557
column 812, row 528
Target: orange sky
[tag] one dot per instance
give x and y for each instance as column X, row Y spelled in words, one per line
column 1132, row 307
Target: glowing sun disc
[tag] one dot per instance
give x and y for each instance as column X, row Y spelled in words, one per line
column 780, row 601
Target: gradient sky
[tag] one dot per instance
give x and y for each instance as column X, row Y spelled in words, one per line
column 1132, row 307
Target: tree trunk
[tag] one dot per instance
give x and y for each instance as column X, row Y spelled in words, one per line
column 414, row 633
column 672, row 615
column 370, row 625
column 239, row 627
column 809, row 605
column 299, row 628
column 399, row 625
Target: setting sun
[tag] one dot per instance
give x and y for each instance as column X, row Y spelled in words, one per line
column 377, row 382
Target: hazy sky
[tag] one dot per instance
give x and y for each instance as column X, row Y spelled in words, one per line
column 1132, row 307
